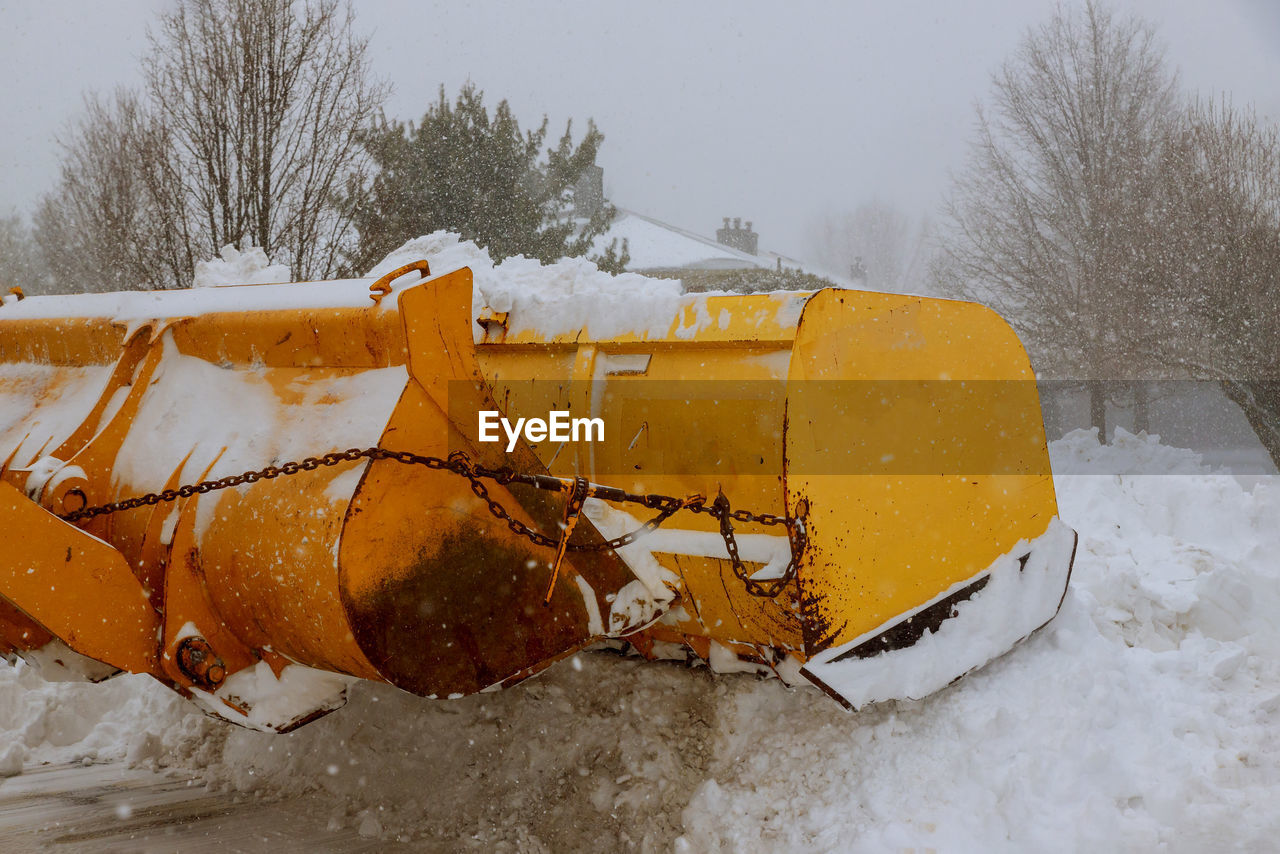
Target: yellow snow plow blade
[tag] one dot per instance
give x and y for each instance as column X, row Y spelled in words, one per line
column 274, row 489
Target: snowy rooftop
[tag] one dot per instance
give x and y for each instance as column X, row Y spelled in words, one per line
column 656, row 245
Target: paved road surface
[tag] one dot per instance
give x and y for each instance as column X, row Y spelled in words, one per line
column 111, row 808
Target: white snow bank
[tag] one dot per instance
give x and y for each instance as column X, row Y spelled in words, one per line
column 233, row 267
column 554, row 299
column 1079, row 452
column 1143, row 716
column 75, row 721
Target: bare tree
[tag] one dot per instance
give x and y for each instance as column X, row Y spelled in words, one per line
column 105, row 227
column 876, row 242
column 19, row 264
column 246, row 133
column 1218, row 256
column 1048, row 220
column 263, row 100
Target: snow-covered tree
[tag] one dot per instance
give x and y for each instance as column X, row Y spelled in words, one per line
column 264, row 100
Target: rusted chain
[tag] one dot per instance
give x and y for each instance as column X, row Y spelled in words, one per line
column 460, row 464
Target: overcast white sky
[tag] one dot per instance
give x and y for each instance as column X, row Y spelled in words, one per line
column 773, row 112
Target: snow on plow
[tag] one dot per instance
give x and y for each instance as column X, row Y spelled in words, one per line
column 259, row 493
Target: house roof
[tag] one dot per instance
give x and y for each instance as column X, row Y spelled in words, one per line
column 656, row 245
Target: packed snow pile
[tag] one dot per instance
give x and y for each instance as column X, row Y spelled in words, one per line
column 235, row 267
column 555, row 299
column 1144, row 715
column 1126, row 454
column 559, row 298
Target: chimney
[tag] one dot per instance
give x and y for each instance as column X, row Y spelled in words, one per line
column 742, row 239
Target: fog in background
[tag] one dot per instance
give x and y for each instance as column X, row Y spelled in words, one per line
column 777, row 113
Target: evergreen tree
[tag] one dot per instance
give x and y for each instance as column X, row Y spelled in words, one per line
column 478, row 175
column 611, row 260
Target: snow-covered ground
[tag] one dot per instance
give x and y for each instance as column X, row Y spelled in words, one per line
column 1144, row 716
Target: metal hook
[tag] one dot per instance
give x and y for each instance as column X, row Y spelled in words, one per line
column 572, row 511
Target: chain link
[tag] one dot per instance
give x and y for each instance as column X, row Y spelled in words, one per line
column 458, row 463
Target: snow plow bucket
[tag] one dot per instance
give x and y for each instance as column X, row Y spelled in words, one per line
column 258, row 493
column 903, row 433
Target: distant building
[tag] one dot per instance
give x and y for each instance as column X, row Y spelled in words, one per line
column 659, row 247
column 742, row 239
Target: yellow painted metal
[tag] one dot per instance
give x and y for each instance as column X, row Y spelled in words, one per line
column 911, row 426
column 74, row 586
column 927, row 413
column 420, row 551
column 856, row 404
column 375, row 570
column 646, row 389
